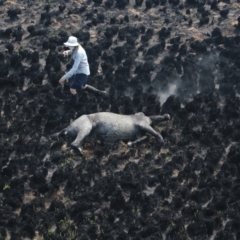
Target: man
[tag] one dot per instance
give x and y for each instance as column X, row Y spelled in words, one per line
column 80, row 70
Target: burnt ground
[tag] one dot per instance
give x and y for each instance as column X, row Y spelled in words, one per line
column 154, row 56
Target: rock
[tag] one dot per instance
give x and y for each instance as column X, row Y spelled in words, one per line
column 43, row 141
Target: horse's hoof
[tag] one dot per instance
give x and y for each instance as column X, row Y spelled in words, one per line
column 79, row 150
column 167, row 116
column 104, row 94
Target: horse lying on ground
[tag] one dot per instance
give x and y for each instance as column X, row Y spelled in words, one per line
column 111, row 127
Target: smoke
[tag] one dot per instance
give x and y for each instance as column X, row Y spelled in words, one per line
column 129, row 92
column 164, row 95
column 161, row 94
column 164, row 89
column 170, row 89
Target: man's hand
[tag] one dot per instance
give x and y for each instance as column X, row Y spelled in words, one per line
column 65, row 53
column 61, row 81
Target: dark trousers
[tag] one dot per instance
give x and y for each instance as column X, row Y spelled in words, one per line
column 79, row 81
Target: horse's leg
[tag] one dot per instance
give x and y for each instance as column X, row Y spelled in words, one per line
column 159, row 118
column 130, row 144
column 82, row 134
column 147, row 128
column 58, row 134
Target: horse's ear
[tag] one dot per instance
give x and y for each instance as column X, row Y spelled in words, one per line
column 140, row 114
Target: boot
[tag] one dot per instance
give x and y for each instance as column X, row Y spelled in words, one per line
column 96, row 91
column 75, row 99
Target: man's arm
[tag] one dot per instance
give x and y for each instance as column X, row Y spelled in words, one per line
column 79, row 57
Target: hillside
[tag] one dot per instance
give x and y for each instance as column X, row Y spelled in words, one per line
column 152, row 56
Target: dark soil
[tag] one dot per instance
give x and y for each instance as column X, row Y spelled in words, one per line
column 176, row 57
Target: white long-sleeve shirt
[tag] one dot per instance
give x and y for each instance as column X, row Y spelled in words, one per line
column 80, row 63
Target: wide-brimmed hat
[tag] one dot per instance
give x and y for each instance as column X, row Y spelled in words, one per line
column 71, row 42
